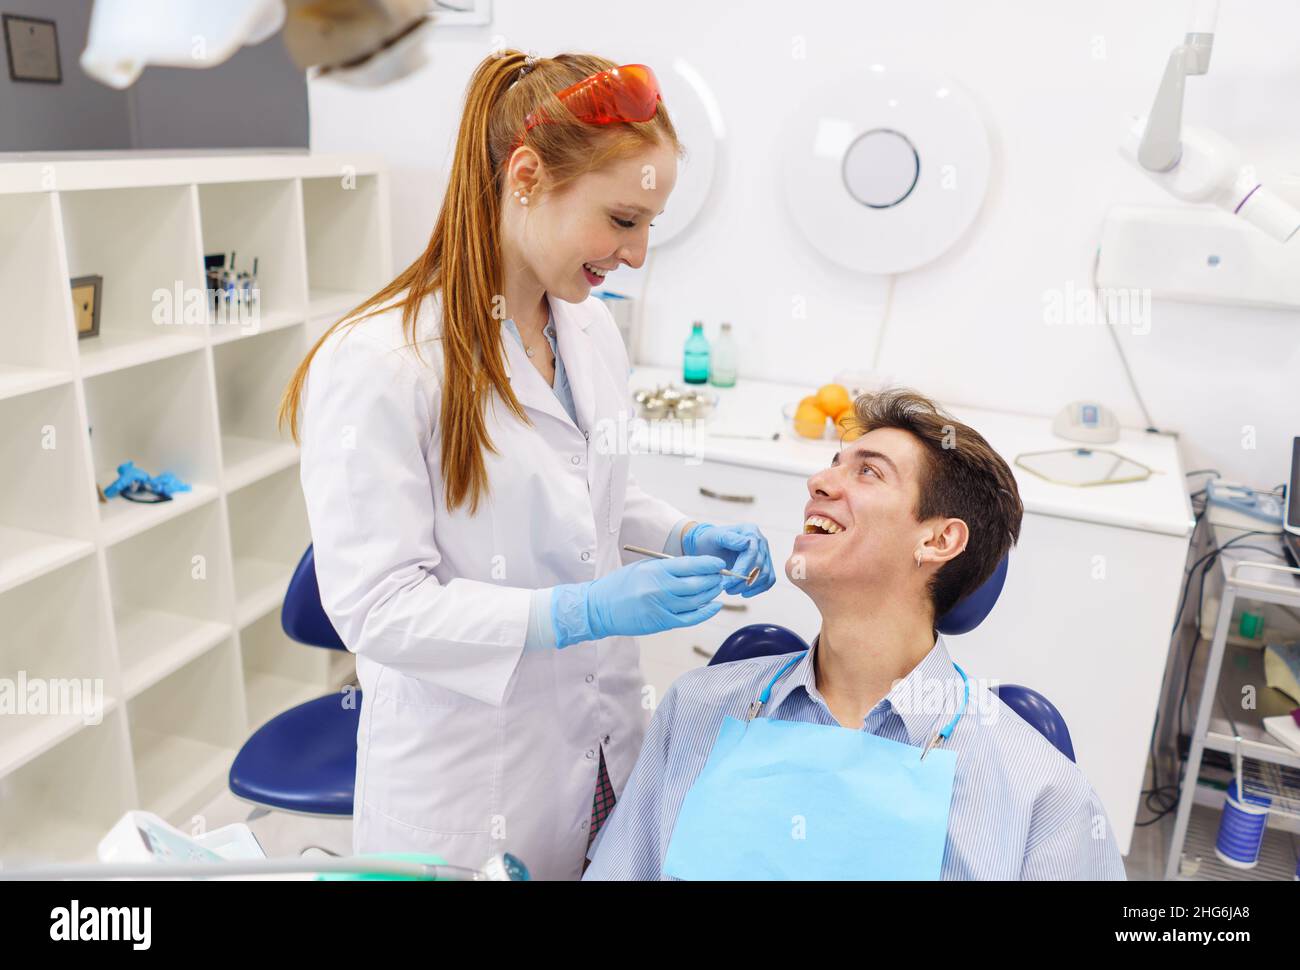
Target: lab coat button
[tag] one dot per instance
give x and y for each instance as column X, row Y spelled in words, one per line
column 590, row 678
column 576, row 459
column 590, row 755
column 605, row 739
column 586, row 556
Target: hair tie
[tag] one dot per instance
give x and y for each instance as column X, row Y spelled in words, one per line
column 530, row 59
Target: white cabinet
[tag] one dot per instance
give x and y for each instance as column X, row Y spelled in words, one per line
column 169, row 611
column 1087, row 609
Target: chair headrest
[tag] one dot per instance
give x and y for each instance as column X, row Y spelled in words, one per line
column 757, row 640
column 969, row 613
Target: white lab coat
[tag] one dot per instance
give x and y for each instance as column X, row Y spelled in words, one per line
column 467, row 745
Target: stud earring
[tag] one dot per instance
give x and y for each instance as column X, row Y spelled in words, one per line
column 523, row 199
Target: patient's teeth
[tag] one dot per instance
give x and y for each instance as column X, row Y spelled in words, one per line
column 820, row 522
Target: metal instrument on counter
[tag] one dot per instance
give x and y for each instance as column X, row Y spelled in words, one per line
column 668, row 401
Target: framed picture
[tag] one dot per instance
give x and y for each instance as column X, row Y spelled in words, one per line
column 32, row 47
column 86, row 292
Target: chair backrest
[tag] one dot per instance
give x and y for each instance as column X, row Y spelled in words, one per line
column 302, row 616
column 1040, row 713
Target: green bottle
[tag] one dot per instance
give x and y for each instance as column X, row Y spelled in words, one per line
column 696, row 368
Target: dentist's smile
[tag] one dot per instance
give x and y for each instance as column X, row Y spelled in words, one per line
column 595, row 274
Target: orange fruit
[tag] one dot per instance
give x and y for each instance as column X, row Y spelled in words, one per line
column 809, row 419
column 847, row 425
column 833, row 399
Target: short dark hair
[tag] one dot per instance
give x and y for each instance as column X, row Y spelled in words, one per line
column 962, row 477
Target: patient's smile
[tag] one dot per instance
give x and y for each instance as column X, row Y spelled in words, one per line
column 815, row 525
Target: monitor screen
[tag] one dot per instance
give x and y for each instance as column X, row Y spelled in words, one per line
column 1293, row 490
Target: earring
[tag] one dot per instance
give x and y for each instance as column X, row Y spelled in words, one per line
column 523, row 199
column 918, row 558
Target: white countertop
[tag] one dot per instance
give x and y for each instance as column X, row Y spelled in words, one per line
column 1158, row 504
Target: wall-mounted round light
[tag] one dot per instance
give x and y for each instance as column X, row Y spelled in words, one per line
column 698, row 121
column 884, row 170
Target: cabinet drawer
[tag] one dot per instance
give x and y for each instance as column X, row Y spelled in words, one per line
column 714, row 492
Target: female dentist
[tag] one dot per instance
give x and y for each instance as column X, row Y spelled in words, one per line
column 466, row 504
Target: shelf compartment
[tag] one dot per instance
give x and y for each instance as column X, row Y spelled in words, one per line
column 46, row 494
column 278, row 673
column 329, row 304
column 268, row 535
column 144, row 242
column 1277, row 860
column 57, row 807
column 171, row 596
column 251, row 376
column 345, row 248
column 265, row 323
column 23, row 380
column 1243, row 670
column 36, row 330
column 185, row 731
column 158, row 415
column 262, row 221
column 55, row 634
column 116, row 351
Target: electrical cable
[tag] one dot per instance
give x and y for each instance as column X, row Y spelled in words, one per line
column 1119, row 348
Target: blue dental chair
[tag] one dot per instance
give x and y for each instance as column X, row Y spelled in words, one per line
column 303, row 760
column 768, row 639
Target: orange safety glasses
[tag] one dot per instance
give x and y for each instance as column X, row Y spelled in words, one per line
column 627, row 93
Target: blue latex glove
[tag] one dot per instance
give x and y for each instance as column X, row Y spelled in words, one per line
column 741, row 547
column 645, row 597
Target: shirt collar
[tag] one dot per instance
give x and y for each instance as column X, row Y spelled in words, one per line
column 925, row 700
column 548, row 331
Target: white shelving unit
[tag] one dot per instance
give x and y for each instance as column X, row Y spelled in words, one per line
column 170, row 611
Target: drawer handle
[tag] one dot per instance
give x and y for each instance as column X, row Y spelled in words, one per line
column 737, row 607
column 723, row 497
column 707, row 655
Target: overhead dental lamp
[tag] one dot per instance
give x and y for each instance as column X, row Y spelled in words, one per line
column 362, row 42
column 1196, row 164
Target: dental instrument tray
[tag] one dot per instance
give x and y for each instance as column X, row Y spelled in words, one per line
column 667, row 401
column 1264, row 506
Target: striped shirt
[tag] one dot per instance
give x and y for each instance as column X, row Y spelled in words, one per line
column 1020, row 809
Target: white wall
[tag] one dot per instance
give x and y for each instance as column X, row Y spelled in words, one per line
column 1055, row 80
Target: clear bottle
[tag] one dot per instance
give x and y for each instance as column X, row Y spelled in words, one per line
column 724, row 359
column 695, row 368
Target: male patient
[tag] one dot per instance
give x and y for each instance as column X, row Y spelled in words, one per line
column 914, row 513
